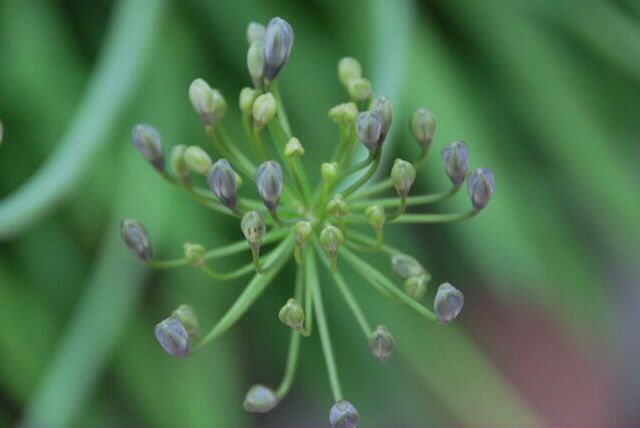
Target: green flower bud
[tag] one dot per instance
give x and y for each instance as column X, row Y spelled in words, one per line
column 331, row 238
column 147, row 140
column 292, row 314
column 416, row 286
column 455, row 157
column 197, row 160
column 255, row 32
column 304, row 232
column 423, row 127
column 293, row 148
column 255, row 63
column 369, row 129
column 344, row 113
column 194, row 253
column 221, row 179
column 349, row 69
column 188, row 318
column 208, row 103
column 381, row 343
column 359, row 89
column 382, row 106
column 178, row 164
column 344, row 415
column 253, row 228
column 329, row 171
column 403, row 174
column 448, row 303
column 264, row 109
column 135, row 237
column 406, row 266
column 375, row 216
column 269, row 182
column 480, row 184
column 173, row 337
column 337, row 206
column 247, row 97
column 278, row 42
column 260, row 399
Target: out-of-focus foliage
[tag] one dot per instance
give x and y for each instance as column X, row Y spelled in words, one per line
column 544, row 92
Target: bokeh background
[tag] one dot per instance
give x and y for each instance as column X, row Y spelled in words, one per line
column 546, row 93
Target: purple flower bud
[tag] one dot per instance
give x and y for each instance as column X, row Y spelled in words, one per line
column 147, row 140
column 381, row 343
column 344, row 415
column 481, row 185
column 222, row 181
column 423, row 127
column 455, row 157
column 369, row 129
column 277, row 47
column 448, row 303
column 260, row 399
column 135, row 237
column 269, row 182
column 382, row 106
column 406, row 266
column 173, row 337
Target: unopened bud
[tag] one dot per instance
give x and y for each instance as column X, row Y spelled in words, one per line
column 369, row 129
column 222, row 181
column 269, row 182
column 173, row 337
column 331, row 238
column 344, row 113
column 292, row 314
column 406, row 266
column 255, row 31
column 337, row 206
column 178, row 164
column 382, row 106
column 264, row 109
column 278, row 42
column 359, row 89
column 455, row 157
column 135, row 237
column 448, row 303
column 481, row 185
column 416, row 286
column 329, row 171
column 188, row 318
column 207, row 102
column 253, row 228
column 293, row 148
column 344, row 415
column 375, row 216
column 403, row 174
column 197, row 160
column 260, row 399
column 348, row 70
column 381, row 343
column 147, row 140
column 247, row 97
column 304, row 232
column 255, row 63
column 194, row 253
column 423, row 127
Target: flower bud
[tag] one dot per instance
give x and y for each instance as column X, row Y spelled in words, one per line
column 369, row 129
column 247, row 97
column 135, row 237
column 194, row 253
column 269, row 182
column 264, row 109
column 416, row 286
column 304, row 232
column 382, row 106
column 292, row 314
column 448, row 303
column 260, row 399
column 222, row 181
column 381, row 343
column 187, row 317
column 348, row 70
column 344, row 415
column 406, row 266
column 403, row 174
column 173, row 337
column 277, row 47
column 344, row 113
column 359, row 89
column 255, row 31
column 147, row 140
column 178, row 164
column 331, row 238
column 197, row 160
column 423, row 127
column 293, row 148
column 375, row 216
column 329, row 171
column 481, row 185
column 253, row 228
column 208, row 103
column 337, row 206
column 255, row 63
column 455, row 157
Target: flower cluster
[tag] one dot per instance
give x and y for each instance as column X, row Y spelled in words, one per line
column 306, row 224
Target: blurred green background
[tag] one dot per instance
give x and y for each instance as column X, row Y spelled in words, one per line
column 546, row 93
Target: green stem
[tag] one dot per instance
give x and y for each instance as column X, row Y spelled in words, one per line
column 399, row 211
column 301, row 185
column 166, row 264
column 282, row 114
column 227, row 276
column 357, row 167
column 411, row 200
column 255, row 260
column 392, row 251
column 254, row 137
column 247, row 165
column 436, row 218
column 362, row 180
column 292, row 364
column 310, row 281
column 375, row 188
